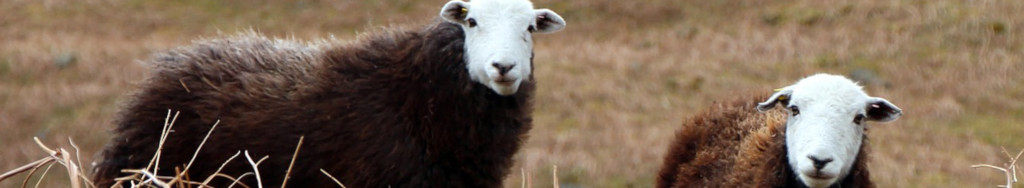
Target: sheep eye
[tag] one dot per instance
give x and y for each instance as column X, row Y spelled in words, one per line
column 795, row 110
column 858, row 119
column 472, row 22
column 531, row 29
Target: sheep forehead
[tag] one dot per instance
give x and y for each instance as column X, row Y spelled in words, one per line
column 495, row 5
column 829, row 91
column 502, row 9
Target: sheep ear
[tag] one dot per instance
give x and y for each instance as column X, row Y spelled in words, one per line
column 548, row 21
column 455, row 12
column 781, row 95
column 881, row 110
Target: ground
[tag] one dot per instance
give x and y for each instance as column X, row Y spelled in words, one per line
column 613, row 86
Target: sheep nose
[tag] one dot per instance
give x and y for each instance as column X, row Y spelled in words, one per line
column 819, row 162
column 503, row 67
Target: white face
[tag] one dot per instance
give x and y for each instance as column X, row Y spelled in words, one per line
column 825, row 127
column 499, row 42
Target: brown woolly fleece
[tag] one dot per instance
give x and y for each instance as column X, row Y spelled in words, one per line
column 395, row 108
column 734, row 145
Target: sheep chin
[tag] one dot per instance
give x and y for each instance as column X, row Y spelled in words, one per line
column 816, row 182
column 504, row 87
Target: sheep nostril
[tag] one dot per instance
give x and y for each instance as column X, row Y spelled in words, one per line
column 503, row 68
column 819, row 162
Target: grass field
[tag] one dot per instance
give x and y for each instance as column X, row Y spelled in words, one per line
column 613, row 86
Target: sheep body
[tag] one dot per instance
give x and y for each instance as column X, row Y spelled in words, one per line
column 733, row 145
column 395, row 108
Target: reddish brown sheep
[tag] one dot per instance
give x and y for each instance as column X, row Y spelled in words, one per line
column 397, row 108
column 732, row 145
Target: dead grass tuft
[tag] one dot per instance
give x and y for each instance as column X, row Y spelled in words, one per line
column 146, row 177
column 1009, row 168
column 58, row 156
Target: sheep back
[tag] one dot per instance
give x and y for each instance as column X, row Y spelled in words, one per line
column 733, row 145
column 393, row 108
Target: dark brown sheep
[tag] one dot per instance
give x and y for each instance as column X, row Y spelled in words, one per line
column 396, row 108
column 733, row 145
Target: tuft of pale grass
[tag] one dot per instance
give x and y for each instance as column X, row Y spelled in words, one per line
column 145, row 177
column 526, row 182
column 41, row 177
column 525, row 178
column 217, row 173
column 332, row 178
column 57, row 156
column 554, row 176
column 255, row 167
column 287, row 174
column 1009, row 168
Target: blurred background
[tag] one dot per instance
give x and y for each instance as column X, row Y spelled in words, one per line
column 613, row 86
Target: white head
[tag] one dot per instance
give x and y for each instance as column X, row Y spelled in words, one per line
column 499, row 42
column 825, row 127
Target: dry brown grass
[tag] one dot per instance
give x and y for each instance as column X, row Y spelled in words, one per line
column 60, row 156
column 614, row 85
column 146, row 177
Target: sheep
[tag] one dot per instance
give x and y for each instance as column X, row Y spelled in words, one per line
column 444, row 105
column 820, row 142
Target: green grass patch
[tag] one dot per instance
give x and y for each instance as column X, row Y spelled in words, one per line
column 803, row 15
column 567, row 125
column 23, row 79
column 60, row 116
column 642, row 181
column 996, row 129
column 5, row 67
